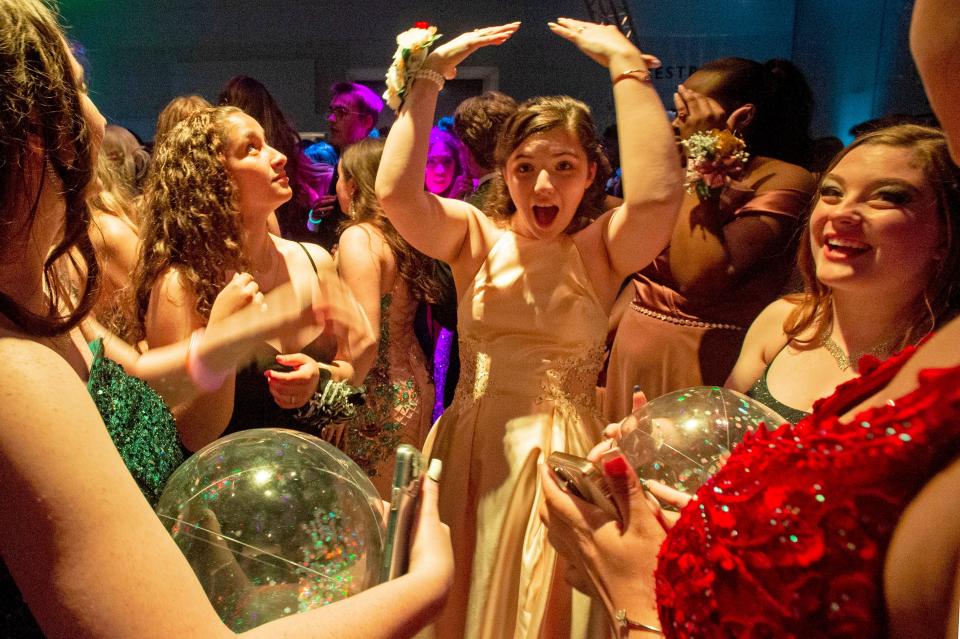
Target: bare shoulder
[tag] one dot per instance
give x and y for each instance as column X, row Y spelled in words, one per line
column 766, row 337
column 771, row 174
column 320, row 257
column 775, row 314
column 173, row 288
column 363, row 236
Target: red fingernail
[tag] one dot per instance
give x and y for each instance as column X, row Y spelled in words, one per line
column 267, row 374
column 616, row 466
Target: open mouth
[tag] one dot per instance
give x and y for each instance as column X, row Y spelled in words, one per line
column 844, row 248
column 545, row 215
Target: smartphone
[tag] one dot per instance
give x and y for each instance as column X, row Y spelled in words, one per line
column 404, row 496
column 581, row 477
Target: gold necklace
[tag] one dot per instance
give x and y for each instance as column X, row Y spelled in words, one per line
column 844, row 361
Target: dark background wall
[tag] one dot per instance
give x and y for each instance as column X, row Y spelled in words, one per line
column 141, row 54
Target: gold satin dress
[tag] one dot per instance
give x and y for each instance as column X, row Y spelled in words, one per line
column 531, row 343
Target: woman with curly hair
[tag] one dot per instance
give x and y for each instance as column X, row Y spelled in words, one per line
column 390, row 279
column 535, row 280
column 214, row 185
column 309, row 180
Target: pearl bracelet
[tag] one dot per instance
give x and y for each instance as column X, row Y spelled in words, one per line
column 431, row 76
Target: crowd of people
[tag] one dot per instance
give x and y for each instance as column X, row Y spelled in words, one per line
column 490, row 291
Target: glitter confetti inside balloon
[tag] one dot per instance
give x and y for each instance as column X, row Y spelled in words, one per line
column 682, row 438
column 274, row 522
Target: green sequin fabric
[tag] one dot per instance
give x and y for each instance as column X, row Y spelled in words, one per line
column 139, row 422
column 375, row 432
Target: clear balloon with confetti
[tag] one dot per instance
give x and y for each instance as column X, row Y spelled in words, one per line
column 274, row 522
column 682, row 438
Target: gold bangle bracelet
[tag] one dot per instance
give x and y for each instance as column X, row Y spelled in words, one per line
column 637, row 73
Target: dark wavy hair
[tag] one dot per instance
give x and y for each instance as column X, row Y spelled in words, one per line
column 478, row 122
column 40, row 107
column 360, row 163
column 539, row 115
column 250, row 95
column 814, row 306
column 190, row 221
column 783, row 100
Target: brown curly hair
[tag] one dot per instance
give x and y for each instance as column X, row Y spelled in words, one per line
column 40, row 101
column 360, row 163
column 538, row 115
column 190, row 221
column 814, row 306
column 478, row 122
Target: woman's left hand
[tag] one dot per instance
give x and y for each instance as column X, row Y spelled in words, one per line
column 697, row 112
column 599, row 41
column 445, row 58
column 616, row 558
column 294, row 388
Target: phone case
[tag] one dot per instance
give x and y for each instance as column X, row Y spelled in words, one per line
column 581, row 477
column 403, row 505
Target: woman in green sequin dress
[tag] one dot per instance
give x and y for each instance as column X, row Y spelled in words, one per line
column 389, row 279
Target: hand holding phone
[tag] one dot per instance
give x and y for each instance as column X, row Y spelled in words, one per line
column 403, row 506
column 584, row 479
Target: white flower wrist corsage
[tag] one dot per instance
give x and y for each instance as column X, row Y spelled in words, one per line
column 413, row 45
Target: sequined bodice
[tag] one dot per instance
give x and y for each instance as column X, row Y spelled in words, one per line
column 789, row 538
column 530, row 324
column 139, row 423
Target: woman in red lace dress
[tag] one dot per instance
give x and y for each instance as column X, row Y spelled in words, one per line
column 843, row 525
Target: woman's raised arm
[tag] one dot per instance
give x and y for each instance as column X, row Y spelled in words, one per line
column 635, row 233
column 434, row 226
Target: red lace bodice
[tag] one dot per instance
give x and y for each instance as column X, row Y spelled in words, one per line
column 789, row 538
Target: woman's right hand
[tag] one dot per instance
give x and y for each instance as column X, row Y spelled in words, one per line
column 240, row 292
column 445, row 58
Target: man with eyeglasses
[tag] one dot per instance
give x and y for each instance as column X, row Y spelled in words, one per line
column 352, row 115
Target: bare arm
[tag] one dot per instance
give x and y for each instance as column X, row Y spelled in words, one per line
column 709, row 253
column 921, row 571
column 636, row 232
column 171, row 318
column 125, row 578
column 361, row 266
column 356, row 341
column 226, row 343
column 763, row 341
column 435, row 226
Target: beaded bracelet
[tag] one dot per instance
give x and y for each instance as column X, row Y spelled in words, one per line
column 431, row 76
